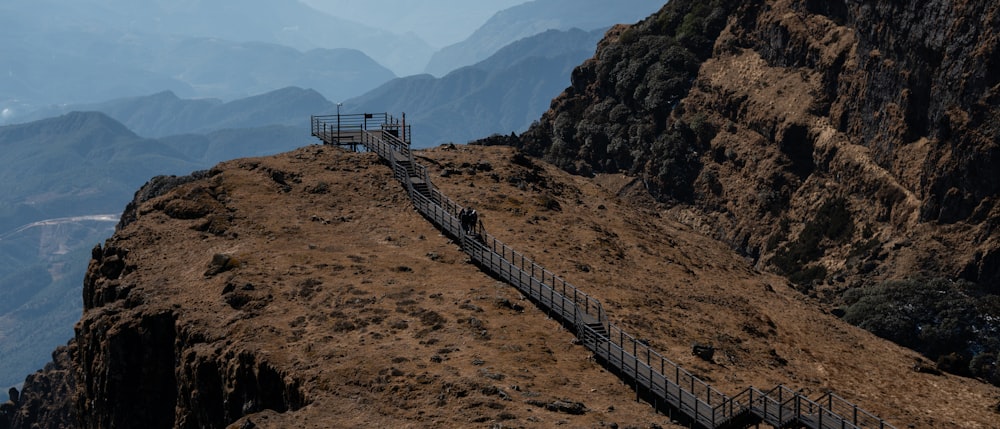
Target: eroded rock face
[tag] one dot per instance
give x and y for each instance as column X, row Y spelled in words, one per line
column 142, row 365
column 47, row 397
column 839, row 143
column 134, row 363
column 887, row 110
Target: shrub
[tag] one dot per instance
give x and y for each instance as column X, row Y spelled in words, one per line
column 806, row 275
column 936, row 317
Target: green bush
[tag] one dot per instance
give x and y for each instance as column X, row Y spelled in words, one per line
column 936, row 317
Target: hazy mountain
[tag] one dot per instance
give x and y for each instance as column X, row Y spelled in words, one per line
column 535, row 17
column 216, row 146
column 187, row 67
column 64, row 58
column 287, row 22
column 54, row 173
column 66, row 179
column 165, row 114
column 58, row 165
column 439, row 22
column 501, row 94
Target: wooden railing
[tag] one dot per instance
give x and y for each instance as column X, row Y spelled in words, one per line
column 664, row 381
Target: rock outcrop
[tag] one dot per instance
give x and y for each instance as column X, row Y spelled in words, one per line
column 840, row 143
column 47, row 398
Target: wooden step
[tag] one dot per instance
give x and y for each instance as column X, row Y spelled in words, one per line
column 598, row 329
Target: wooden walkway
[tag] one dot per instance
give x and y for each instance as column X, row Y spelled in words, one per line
column 663, row 383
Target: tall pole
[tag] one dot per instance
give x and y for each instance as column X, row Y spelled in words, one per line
column 338, row 121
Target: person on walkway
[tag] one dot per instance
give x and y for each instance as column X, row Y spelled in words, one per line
column 463, row 217
column 473, row 220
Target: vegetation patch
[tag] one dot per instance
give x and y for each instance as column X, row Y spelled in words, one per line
column 947, row 321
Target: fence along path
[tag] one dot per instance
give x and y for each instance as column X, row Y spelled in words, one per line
column 665, row 384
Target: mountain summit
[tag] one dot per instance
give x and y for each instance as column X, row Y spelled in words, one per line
column 303, row 290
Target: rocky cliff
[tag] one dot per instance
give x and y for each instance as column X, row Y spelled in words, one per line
column 841, row 143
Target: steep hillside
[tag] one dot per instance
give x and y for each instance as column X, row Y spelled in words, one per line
column 303, row 290
column 59, row 175
column 842, row 144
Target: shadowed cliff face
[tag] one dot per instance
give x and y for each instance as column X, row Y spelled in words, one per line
column 840, row 143
column 143, row 367
column 135, row 363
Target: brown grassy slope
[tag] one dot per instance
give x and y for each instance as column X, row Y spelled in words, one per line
column 382, row 322
column 664, row 282
column 342, row 287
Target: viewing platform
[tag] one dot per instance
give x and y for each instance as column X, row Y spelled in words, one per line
column 350, row 130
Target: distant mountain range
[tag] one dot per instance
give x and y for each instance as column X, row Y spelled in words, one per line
column 165, row 114
column 501, row 94
column 283, row 22
column 59, row 174
column 79, row 52
column 534, row 17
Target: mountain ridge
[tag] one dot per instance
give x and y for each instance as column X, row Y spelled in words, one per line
column 501, row 94
column 164, row 114
column 250, row 283
column 529, row 19
column 790, row 134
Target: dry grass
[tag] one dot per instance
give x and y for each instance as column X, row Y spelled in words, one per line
column 385, row 323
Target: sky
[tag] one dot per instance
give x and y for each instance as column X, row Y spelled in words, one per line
column 438, row 22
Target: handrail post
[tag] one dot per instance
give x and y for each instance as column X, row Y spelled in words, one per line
column 821, row 419
column 695, row 406
column 781, row 407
